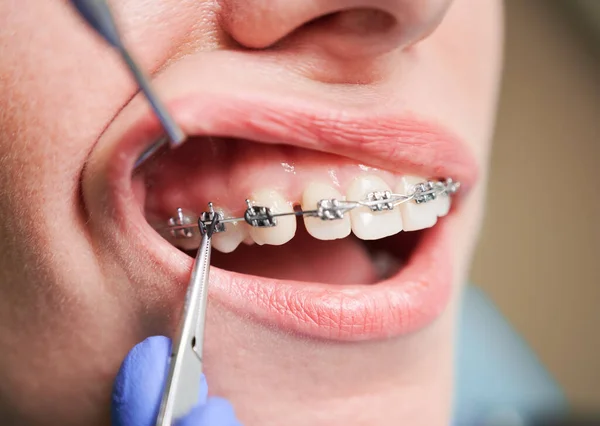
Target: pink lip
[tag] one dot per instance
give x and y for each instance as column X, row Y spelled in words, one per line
column 405, row 303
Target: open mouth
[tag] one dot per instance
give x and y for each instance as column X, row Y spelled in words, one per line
column 310, row 231
column 374, row 271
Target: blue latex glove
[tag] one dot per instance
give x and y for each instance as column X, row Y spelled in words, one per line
column 138, row 390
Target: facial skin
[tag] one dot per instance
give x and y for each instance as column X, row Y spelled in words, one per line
column 76, row 294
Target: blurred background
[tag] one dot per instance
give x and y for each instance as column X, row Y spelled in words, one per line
column 539, row 255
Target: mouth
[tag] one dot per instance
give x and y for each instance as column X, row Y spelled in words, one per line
column 372, row 273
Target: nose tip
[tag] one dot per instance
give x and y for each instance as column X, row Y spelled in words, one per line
column 346, row 28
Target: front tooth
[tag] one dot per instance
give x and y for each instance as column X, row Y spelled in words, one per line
column 416, row 216
column 234, row 234
column 323, row 229
column 366, row 224
column 286, row 225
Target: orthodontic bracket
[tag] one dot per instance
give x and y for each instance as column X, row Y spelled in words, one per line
column 259, row 216
column 332, row 209
column 207, row 218
column 381, row 200
column 182, row 226
column 424, row 192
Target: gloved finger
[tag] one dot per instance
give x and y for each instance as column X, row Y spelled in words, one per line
column 216, row 412
column 139, row 385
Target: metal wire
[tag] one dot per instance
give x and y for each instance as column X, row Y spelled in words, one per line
column 182, row 226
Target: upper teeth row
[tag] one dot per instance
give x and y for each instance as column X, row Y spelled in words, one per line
column 182, row 226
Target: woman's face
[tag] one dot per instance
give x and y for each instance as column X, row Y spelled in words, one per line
column 287, row 102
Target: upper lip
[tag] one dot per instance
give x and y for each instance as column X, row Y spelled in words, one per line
column 403, row 144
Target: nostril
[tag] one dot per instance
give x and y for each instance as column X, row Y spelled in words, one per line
column 345, row 29
column 357, row 22
column 349, row 33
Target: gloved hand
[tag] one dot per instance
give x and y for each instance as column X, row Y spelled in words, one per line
column 138, row 390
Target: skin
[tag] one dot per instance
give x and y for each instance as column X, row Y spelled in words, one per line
column 70, row 308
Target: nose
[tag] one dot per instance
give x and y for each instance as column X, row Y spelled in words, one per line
column 344, row 28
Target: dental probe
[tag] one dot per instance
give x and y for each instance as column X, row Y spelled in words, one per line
column 182, row 390
column 98, row 15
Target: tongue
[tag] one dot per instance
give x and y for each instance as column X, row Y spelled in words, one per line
column 304, row 258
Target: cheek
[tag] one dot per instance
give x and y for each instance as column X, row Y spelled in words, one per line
column 59, row 87
column 54, row 100
column 49, row 103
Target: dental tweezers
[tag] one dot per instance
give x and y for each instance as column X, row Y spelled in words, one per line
column 98, row 15
column 182, row 391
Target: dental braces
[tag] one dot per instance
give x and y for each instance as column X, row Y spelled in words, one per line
column 183, row 226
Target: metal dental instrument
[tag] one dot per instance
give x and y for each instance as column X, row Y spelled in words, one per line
column 98, row 15
column 182, row 390
column 182, row 226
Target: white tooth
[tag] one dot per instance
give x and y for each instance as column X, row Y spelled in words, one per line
column 234, row 234
column 442, row 205
column 286, row 225
column 366, row 224
column 416, row 216
column 323, row 229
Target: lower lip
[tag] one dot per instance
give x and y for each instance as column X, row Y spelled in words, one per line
column 406, row 303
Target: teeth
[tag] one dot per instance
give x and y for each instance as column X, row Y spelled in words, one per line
column 442, row 205
column 417, row 216
column 323, row 229
column 234, row 234
column 286, row 225
column 366, row 224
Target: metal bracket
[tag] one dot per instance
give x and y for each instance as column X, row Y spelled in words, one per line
column 333, row 209
column 424, row 192
column 178, row 224
column 259, row 216
column 380, row 200
column 207, row 218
